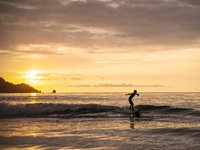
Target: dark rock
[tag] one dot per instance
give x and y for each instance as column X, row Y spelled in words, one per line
column 6, row 87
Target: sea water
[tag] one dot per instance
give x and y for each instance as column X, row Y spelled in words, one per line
column 99, row 121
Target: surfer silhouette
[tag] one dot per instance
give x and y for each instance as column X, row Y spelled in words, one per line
column 130, row 99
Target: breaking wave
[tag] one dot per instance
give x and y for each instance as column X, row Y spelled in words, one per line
column 84, row 110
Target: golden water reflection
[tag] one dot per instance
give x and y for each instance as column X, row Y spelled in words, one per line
column 99, row 130
column 34, row 98
column 88, row 128
column 33, row 94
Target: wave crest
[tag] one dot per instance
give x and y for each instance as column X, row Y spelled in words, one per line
column 84, row 110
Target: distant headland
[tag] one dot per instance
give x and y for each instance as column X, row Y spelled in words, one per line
column 6, row 87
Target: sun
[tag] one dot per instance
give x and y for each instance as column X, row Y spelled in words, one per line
column 33, row 76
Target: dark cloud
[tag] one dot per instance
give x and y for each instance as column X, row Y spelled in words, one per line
column 94, row 24
column 194, row 3
column 115, row 85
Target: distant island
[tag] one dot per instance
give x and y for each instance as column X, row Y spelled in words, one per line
column 6, row 87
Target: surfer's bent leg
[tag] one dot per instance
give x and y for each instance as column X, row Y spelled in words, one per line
column 130, row 108
column 131, row 104
column 133, row 108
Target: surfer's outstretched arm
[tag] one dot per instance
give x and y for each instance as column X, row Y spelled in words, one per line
column 128, row 94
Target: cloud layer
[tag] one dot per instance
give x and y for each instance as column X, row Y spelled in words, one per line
column 95, row 24
column 115, row 85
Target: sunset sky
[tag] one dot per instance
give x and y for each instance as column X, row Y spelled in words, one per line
column 101, row 45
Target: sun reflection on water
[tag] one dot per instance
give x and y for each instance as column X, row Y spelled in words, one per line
column 33, row 94
column 34, row 97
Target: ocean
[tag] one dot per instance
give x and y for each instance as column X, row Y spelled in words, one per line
column 99, row 121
